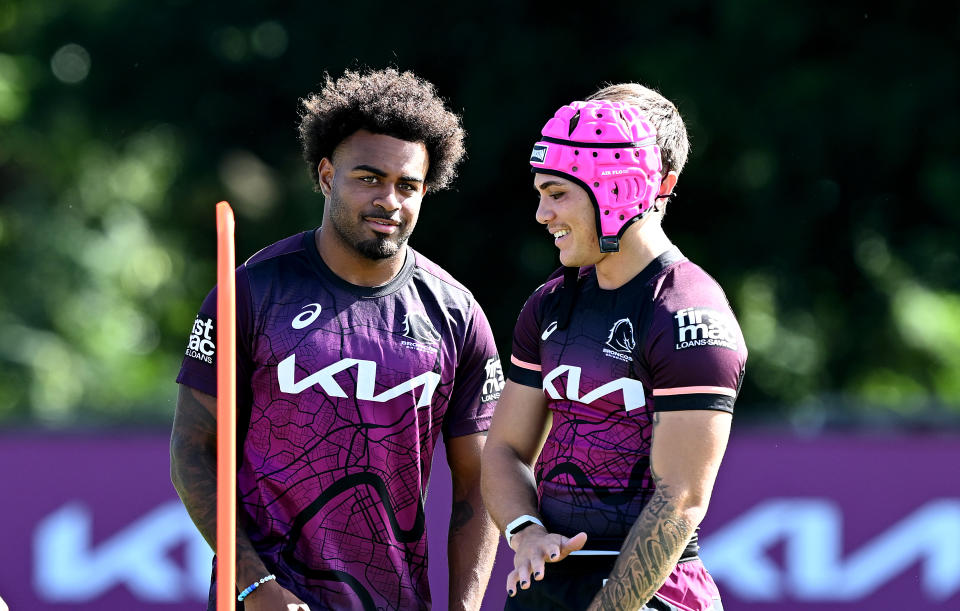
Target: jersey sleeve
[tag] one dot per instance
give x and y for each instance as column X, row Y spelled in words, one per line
column 525, row 367
column 199, row 367
column 695, row 351
column 478, row 381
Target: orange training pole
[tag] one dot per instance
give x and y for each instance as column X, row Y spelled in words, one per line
column 226, row 412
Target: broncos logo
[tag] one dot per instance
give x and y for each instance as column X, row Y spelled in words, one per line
column 418, row 327
column 621, row 336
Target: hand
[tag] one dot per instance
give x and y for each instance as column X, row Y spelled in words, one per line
column 273, row 597
column 533, row 547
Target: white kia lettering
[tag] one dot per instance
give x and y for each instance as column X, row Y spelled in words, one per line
column 366, row 381
column 633, row 396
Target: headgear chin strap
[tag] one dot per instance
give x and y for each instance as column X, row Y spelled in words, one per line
column 611, row 151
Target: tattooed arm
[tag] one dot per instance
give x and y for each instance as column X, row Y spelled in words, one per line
column 193, row 469
column 472, row 542
column 684, row 459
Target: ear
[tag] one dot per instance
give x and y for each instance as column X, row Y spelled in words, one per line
column 325, row 175
column 668, row 183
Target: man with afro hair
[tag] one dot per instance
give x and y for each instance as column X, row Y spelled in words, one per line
column 354, row 353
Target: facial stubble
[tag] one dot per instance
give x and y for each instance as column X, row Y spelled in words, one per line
column 350, row 231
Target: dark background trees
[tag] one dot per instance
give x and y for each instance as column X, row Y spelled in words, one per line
column 822, row 190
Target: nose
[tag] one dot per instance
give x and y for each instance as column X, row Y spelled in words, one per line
column 545, row 212
column 388, row 199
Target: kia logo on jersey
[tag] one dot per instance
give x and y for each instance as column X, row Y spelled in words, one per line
column 366, row 381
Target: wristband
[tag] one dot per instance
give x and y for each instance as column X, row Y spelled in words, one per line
column 519, row 524
column 253, row 586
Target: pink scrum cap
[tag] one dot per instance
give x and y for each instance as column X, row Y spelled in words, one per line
column 611, row 151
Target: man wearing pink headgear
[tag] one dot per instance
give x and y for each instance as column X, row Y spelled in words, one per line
column 607, row 439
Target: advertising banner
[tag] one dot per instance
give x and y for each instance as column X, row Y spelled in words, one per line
column 92, row 522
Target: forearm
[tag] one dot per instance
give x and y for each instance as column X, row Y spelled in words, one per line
column 193, row 471
column 509, row 486
column 196, row 484
column 649, row 553
column 471, row 548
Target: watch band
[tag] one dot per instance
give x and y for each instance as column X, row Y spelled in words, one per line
column 519, row 524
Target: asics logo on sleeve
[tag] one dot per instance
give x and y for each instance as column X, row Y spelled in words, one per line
column 633, row 395
column 366, row 381
column 549, row 330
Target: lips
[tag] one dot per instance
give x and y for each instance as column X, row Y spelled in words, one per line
column 559, row 233
column 382, row 225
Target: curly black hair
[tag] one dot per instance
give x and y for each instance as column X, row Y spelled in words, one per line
column 387, row 102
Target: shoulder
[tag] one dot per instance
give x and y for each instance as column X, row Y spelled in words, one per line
column 292, row 245
column 432, row 272
column 443, row 287
column 686, row 284
column 551, row 288
column 691, row 310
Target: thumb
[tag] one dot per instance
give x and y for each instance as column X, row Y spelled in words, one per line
column 573, row 544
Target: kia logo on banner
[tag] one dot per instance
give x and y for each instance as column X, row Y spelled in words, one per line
column 839, row 523
column 815, row 568
column 69, row 567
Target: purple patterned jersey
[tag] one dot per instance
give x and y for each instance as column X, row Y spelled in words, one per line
column 342, row 392
column 667, row 340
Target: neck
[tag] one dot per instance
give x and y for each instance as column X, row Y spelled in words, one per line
column 639, row 246
column 352, row 267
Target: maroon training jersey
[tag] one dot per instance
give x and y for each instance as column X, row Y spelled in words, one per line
column 666, row 340
column 342, row 392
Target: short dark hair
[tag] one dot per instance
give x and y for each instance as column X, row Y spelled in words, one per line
column 661, row 113
column 387, row 102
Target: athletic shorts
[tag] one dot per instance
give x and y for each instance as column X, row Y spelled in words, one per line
column 571, row 584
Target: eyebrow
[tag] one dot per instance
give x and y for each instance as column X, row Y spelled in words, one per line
column 546, row 184
column 382, row 174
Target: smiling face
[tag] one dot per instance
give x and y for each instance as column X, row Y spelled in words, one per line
column 566, row 210
column 374, row 186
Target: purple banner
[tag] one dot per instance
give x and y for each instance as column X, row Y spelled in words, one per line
column 839, row 522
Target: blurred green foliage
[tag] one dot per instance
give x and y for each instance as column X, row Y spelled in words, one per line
column 822, row 191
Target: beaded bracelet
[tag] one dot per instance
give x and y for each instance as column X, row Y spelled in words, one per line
column 253, row 586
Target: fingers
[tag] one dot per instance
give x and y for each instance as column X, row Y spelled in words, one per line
column 572, row 544
column 533, row 551
column 516, row 580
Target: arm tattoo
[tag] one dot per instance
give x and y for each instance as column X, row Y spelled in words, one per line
column 194, row 464
column 651, row 550
column 461, row 514
column 193, row 456
column 648, row 555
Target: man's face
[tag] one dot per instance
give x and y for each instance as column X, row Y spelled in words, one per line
column 566, row 210
column 373, row 188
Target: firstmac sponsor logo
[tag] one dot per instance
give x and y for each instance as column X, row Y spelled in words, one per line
column 696, row 327
column 201, row 345
column 494, row 382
